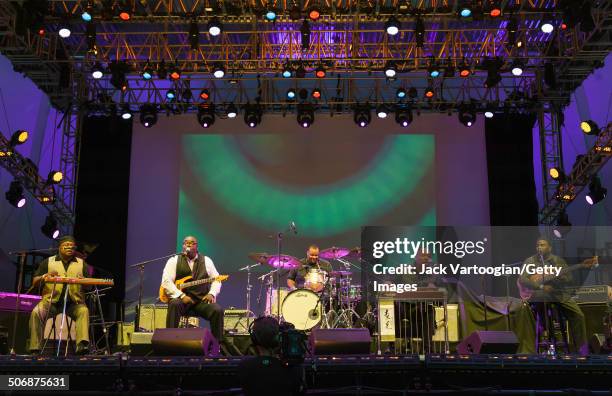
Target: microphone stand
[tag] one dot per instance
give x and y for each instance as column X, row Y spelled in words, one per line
column 140, row 266
column 22, row 259
column 279, row 242
column 248, row 290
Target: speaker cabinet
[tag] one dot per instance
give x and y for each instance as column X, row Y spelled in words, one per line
column 184, row 342
column 152, row 316
column 340, row 341
column 22, row 334
column 140, row 344
column 488, row 342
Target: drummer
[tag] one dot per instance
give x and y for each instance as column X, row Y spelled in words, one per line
column 297, row 278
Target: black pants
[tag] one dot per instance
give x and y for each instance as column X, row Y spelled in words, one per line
column 577, row 323
column 211, row 312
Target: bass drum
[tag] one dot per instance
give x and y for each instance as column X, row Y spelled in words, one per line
column 303, row 309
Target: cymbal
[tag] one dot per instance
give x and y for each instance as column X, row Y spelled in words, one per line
column 355, row 253
column 285, row 262
column 334, row 252
column 340, row 273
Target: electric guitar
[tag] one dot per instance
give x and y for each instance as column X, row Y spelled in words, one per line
column 187, row 282
column 526, row 293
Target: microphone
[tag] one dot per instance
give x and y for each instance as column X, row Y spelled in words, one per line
column 293, row 227
column 187, row 251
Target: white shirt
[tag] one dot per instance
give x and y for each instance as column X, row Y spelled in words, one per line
column 169, row 276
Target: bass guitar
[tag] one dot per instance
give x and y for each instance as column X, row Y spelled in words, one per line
column 187, row 282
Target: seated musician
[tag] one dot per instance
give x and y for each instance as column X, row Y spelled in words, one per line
column 67, row 265
column 297, row 276
column 553, row 290
column 198, row 300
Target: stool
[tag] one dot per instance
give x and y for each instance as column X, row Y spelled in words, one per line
column 552, row 327
column 52, row 331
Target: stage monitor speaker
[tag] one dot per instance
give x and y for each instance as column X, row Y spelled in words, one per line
column 482, row 341
column 153, row 316
column 598, row 317
column 599, row 344
column 22, row 334
column 184, row 342
column 340, row 341
column 140, row 344
column 237, row 321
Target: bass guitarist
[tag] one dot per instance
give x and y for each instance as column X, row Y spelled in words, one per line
column 198, row 300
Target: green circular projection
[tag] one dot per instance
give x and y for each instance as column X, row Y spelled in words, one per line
column 320, row 210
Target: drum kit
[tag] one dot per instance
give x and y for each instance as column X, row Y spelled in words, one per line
column 327, row 299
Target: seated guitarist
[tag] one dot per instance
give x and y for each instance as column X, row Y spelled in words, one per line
column 197, row 300
column 542, row 288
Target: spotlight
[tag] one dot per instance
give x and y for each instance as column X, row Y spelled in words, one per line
column 305, row 33
column 194, row 35
column 390, row 69
column 433, row 71
column 90, row 35
column 270, row 15
column 171, row 94
column 125, row 13
column 419, row 31
column 596, row 192
column 162, row 73
column 562, row 225
column 314, row 13
column 15, row 195
column 517, row 68
column 305, row 116
column 429, row 92
column 252, row 115
column 320, row 72
column 467, row 115
column 362, row 116
column 55, row 177
column 589, row 127
column 291, row 94
column 126, row 113
column 413, row 93
column 206, row 114
column 86, row 14
column 218, row 70
column 204, row 94
column 19, row 137
column 147, row 72
column 316, row 93
column 175, row 72
column 400, row 93
column 403, row 115
column 215, row 27
column 547, row 27
column 557, row 174
column 392, row 26
column 231, row 111
column 493, row 77
column 464, row 70
column 382, row 111
column 495, row 9
column 50, row 228
column 96, row 71
column 511, row 29
column 148, row 115
column 488, row 113
column 64, row 32
column 287, row 70
column 118, row 71
column 300, row 72
column 465, row 12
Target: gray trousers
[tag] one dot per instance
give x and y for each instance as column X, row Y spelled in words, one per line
column 43, row 310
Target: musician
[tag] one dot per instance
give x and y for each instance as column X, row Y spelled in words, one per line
column 297, row 275
column 66, row 264
column 553, row 290
column 197, row 300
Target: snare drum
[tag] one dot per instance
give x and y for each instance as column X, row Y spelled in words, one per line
column 303, row 309
column 315, row 279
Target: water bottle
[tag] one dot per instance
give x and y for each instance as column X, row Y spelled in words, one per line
column 551, row 350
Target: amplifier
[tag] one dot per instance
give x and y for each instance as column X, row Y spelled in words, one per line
column 591, row 294
column 152, row 316
column 237, row 321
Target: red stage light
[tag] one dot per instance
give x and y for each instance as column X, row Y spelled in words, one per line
column 563, row 26
column 320, row 73
column 429, row 93
column 314, row 14
column 175, row 75
column 495, row 12
column 124, row 15
column 464, row 72
column 204, row 95
column 316, row 93
column 41, row 31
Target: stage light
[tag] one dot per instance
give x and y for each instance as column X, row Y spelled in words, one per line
column 147, row 72
column 204, row 94
column 467, row 115
column 465, row 12
column 162, row 73
column 390, row 69
column 50, row 228
column 126, row 113
column 215, row 27
column 488, row 114
column 316, row 93
column 218, row 70
column 175, row 72
column 86, row 15
column 400, row 93
column 562, row 225
column 118, row 71
column 305, row 116
column 194, row 36
column 495, row 9
column 305, row 33
column 90, row 35
column 382, row 111
column 125, row 13
column 419, row 32
column 511, row 30
column 96, row 71
column 362, row 116
column 148, row 115
column 433, row 71
column 300, row 71
column 64, row 32
column 412, row 93
column 403, row 115
column 55, row 177
column 557, row 174
column 320, row 72
column 429, row 92
column 392, row 26
column 517, row 68
column 15, row 196
column 231, row 111
column 464, row 70
column 287, row 70
column 493, row 76
column 596, row 193
column 171, row 94
column 291, row 93
column 547, row 27
column 589, row 127
column 19, row 137
column 270, row 15
column 252, row 115
column 314, row 13
column 206, row 114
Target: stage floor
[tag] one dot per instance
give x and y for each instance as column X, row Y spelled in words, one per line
column 342, row 374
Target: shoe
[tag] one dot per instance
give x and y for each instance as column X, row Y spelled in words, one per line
column 82, row 348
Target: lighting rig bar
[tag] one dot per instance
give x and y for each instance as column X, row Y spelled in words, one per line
column 582, row 173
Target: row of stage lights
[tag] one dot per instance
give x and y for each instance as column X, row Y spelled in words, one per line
column 15, row 194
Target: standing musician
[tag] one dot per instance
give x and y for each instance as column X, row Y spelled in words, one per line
column 297, row 276
column 197, row 300
column 67, row 265
column 553, row 290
